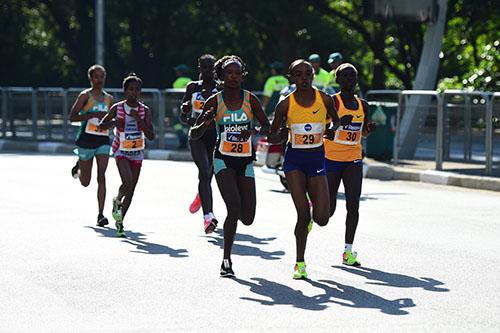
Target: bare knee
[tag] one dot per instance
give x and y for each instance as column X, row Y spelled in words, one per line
column 321, row 220
column 85, row 181
column 247, row 220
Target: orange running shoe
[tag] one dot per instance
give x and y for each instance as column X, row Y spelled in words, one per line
column 195, row 205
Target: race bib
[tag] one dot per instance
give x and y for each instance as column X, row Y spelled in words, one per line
column 307, row 135
column 91, row 128
column 231, row 144
column 197, row 108
column 349, row 134
column 132, row 141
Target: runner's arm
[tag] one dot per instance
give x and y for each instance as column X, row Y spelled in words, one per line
column 205, row 119
column 278, row 132
column 80, row 101
column 108, row 120
column 368, row 125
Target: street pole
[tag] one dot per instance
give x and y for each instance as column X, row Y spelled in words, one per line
column 99, row 32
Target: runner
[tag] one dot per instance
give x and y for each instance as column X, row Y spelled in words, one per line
column 233, row 111
column 304, row 113
column 91, row 105
column 197, row 92
column 344, row 154
column 133, row 121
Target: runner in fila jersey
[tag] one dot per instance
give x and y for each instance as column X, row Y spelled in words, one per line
column 344, row 154
column 303, row 113
column 133, row 123
column 90, row 106
column 233, row 111
column 202, row 150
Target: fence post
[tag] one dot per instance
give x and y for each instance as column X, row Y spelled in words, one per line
column 439, row 132
column 4, row 112
column 65, row 112
column 34, row 114
column 161, row 120
column 467, row 128
column 395, row 149
column 488, row 144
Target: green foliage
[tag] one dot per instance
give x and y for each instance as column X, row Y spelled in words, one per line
column 51, row 43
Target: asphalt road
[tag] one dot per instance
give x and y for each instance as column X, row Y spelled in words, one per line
column 430, row 256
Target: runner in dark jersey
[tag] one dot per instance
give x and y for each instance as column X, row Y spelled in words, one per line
column 202, row 149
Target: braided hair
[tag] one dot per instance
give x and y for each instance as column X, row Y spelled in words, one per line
column 131, row 77
column 226, row 60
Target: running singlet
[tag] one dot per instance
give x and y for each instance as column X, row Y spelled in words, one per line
column 89, row 136
column 129, row 140
column 198, row 101
column 306, row 124
column 229, row 125
column 346, row 146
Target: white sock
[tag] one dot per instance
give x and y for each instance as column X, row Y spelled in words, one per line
column 212, row 216
column 348, row 247
column 207, row 216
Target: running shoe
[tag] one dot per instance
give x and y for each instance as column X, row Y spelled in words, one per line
column 117, row 210
column 195, row 205
column 310, row 226
column 226, row 268
column 75, row 171
column 349, row 259
column 119, row 229
column 299, row 271
column 209, row 225
column 102, row 220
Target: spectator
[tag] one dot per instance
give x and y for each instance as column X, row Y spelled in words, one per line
column 334, row 60
column 274, row 84
column 321, row 77
column 183, row 79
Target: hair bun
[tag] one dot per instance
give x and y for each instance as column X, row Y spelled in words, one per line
column 132, row 74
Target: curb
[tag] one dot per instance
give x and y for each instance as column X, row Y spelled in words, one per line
column 63, row 148
column 382, row 171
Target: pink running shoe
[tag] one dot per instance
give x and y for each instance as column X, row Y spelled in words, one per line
column 210, row 224
column 195, row 205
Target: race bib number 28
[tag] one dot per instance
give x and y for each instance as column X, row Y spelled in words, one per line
column 232, row 145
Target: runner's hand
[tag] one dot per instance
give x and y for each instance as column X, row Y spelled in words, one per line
column 346, row 120
column 207, row 116
column 329, row 134
column 371, row 126
column 135, row 114
column 186, row 107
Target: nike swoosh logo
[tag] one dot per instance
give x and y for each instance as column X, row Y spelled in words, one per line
column 319, row 171
column 314, row 112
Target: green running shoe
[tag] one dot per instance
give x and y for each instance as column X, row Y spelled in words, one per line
column 117, row 210
column 349, row 259
column 310, row 226
column 300, row 271
column 119, row 229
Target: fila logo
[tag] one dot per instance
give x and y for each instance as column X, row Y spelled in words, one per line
column 234, row 117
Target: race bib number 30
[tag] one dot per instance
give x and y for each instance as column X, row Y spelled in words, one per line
column 307, row 135
column 232, row 145
column 132, row 141
column 350, row 134
column 91, row 128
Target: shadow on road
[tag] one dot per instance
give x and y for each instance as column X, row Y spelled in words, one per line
column 395, row 279
column 138, row 240
column 245, row 250
column 279, row 294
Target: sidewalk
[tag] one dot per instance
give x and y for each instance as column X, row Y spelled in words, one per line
column 422, row 171
column 418, row 171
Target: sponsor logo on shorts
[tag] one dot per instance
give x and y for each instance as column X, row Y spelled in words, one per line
column 308, row 127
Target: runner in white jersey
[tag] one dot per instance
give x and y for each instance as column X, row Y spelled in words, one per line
column 132, row 120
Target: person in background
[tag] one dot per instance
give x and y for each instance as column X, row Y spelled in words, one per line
column 183, row 79
column 181, row 82
column 321, row 77
column 274, row 84
column 334, row 60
